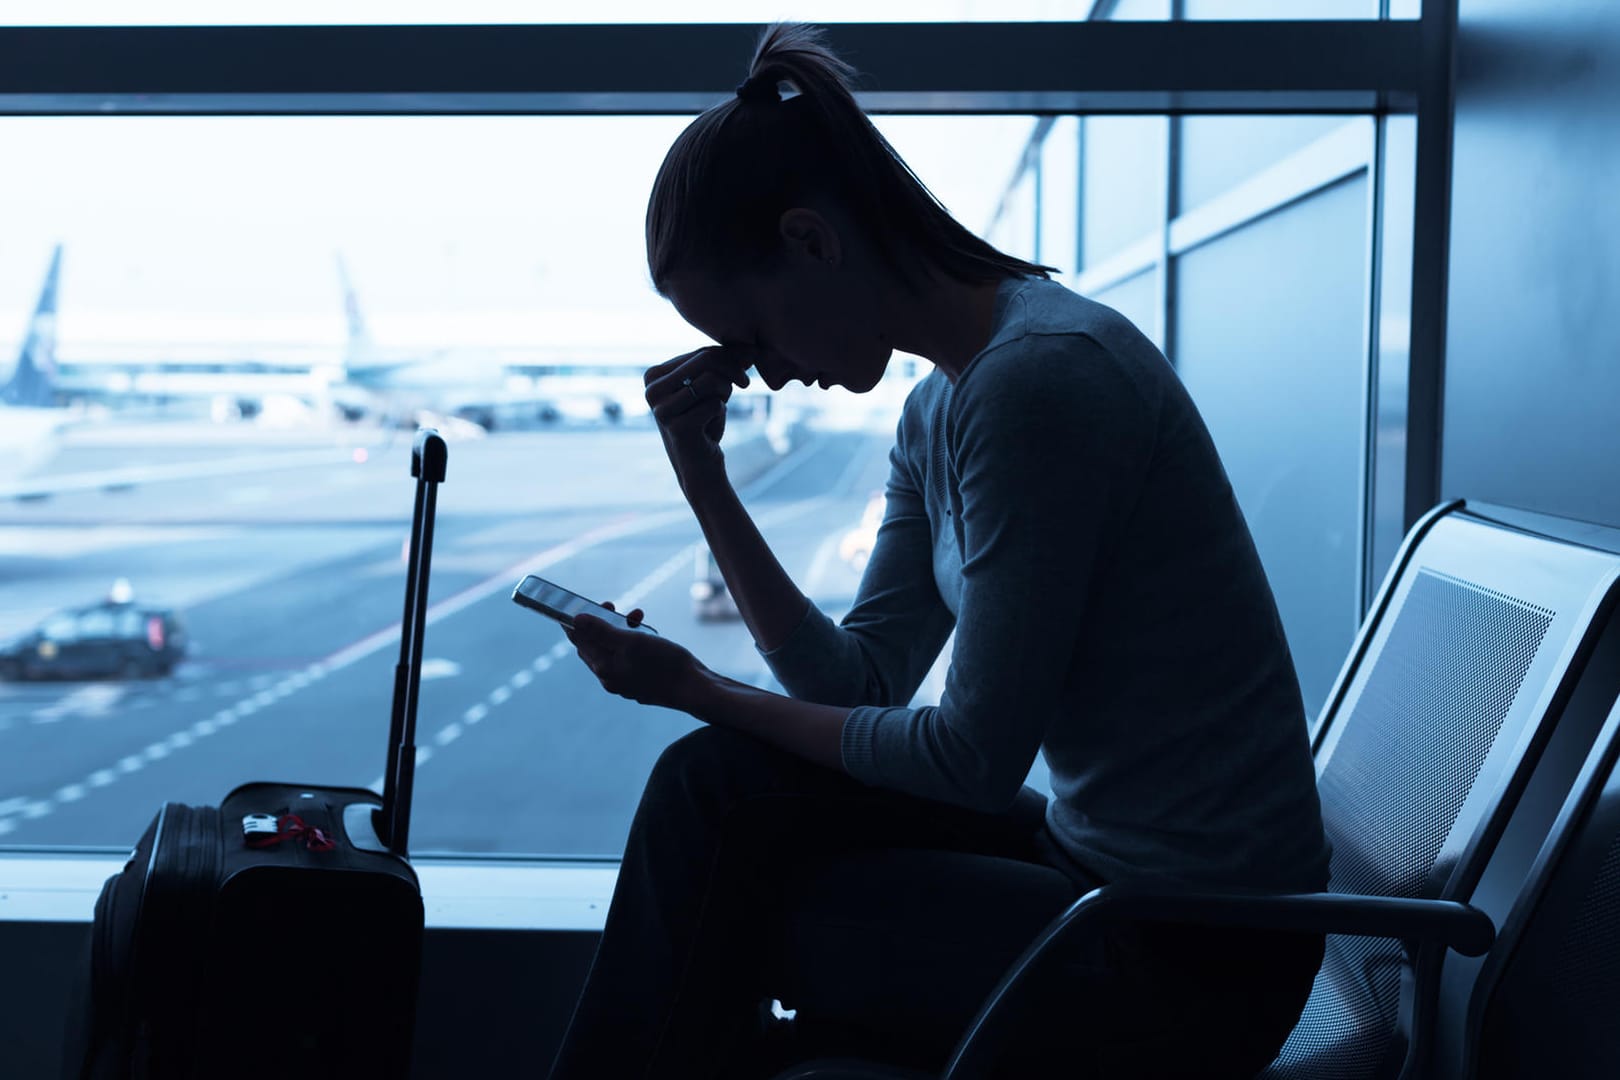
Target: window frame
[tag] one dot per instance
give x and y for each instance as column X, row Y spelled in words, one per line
column 1376, row 67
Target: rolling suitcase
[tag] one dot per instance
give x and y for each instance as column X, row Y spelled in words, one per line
column 278, row 934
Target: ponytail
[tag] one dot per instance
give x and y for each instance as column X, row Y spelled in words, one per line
column 735, row 169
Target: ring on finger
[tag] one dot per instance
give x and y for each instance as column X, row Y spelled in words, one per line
column 690, row 389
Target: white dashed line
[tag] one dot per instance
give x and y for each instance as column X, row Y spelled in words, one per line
column 70, row 793
column 476, row 713
column 450, row 734
column 522, row 679
column 36, row 810
column 203, row 727
column 500, row 695
column 156, row 752
column 180, row 740
column 131, row 764
column 102, row 777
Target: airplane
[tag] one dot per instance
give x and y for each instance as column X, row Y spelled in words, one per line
column 492, row 387
column 30, row 416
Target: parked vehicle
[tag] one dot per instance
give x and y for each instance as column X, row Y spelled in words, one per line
column 856, row 545
column 711, row 600
column 118, row 638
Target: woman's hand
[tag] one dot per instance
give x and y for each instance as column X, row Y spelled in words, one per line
column 687, row 396
column 636, row 665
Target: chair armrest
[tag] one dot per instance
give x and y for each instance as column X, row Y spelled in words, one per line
column 1458, row 926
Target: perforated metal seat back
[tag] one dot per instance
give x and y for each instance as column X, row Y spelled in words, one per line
column 1442, row 684
column 1556, row 1006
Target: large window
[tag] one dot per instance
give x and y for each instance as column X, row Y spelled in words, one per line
column 244, row 319
column 238, row 320
column 250, row 314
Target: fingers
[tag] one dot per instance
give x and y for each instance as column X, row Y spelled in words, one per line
column 712, row 371
column 633, row 618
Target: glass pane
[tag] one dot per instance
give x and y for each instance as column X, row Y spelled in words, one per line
column 1217, row 153
column 241, row 334
column 1279, row 9
column 1140, row 10
column 1015, row 227
column 412, row 12
column 1060, row 204
column 1151, row 10
column 96, row 624
column 1123, row 176
column 1394, row 346
column 238, row 338
column 1269, row 340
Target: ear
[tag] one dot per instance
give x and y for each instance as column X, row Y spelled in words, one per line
column 809, row 237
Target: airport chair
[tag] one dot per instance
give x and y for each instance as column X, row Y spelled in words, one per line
column 1453, row 687
column 1545, row 1002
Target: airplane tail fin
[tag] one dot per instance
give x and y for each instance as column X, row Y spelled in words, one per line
column 33, row 380
column 359, row 340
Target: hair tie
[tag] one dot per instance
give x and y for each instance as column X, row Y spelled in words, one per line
column 755, row 88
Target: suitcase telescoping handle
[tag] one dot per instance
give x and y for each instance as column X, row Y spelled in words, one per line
column 393, row 820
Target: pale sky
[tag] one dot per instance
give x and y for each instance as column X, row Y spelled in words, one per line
column 453, row 228
column 338, row 12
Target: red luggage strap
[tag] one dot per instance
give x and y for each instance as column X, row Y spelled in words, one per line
column 292, row 827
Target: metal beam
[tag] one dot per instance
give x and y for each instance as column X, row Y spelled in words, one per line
column 1169, row 67
column 1430, row 259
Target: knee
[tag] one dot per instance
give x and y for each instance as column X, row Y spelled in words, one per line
column 713, row 765
column 700, row 757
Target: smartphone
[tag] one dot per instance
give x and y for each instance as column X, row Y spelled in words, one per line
column 556, row 602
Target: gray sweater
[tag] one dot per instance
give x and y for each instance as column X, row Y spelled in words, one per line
column 1062, row 507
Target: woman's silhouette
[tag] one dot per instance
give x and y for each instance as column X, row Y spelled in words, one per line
column 1055, row 499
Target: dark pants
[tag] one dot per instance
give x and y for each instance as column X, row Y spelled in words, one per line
column 885, row 920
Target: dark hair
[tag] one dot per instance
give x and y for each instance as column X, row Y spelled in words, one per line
column 730, row 175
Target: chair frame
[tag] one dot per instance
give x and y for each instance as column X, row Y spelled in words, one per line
column 1428, row 928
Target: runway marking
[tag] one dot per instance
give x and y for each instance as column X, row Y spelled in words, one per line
column 85, row 701
column 439, row 668
column 100, row 699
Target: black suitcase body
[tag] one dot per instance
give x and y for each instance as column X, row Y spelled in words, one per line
column 292, row 952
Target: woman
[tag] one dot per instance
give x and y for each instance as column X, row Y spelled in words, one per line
column 1055, row 499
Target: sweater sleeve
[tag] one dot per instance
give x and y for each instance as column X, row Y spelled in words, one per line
column 1049, row 439
column 881, row 651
